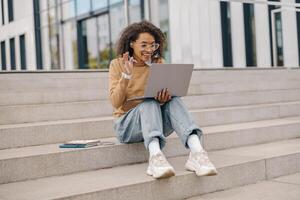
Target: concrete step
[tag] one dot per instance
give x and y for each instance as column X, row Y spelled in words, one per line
column 195, row 98
column 60, row 111
column 241, row 98
column 43, row 81
column 271, row 79
column 18, row 160
column 285, row 187
column 58, row 78
column 236, row 167
column 241, row 86
column 62, row 93
column 39, row 133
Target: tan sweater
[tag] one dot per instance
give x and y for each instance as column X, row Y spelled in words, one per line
column 121, row 89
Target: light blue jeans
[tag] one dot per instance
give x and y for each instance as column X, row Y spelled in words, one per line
column 149, row 120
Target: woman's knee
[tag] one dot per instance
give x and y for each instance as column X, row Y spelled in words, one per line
column 149, row 104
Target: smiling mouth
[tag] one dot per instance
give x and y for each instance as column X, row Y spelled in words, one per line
column 146, row 54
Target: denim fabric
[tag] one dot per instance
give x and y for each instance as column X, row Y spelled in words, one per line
column 149, row 120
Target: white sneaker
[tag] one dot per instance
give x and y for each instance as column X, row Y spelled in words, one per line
column 200, row 163
column 159, row 167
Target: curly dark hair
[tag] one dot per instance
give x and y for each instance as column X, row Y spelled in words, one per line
column 131, row 34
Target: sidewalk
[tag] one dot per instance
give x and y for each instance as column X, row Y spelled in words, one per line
column 282, row 188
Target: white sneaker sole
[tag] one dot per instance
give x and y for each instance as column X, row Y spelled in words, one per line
column 201, row 172
column 164, row 173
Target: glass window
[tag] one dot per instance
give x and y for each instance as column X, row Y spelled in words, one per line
column 278, row 36
column 2, row 11
column 12, row 53
column 98, row 4
column 111, row 2
column 135, row 11
column 83, row 6
column 70, row 45
column 3, row 55
column 46, row 47
column 298, row 31
column 22, row 52
column 250, row 43
column 226, row 34
column 88, row 44
column 10, row 10
column 44, row 17
column 68, row 10
column 117, row 21
column 54, row 46
column 52, row 15
column 51, row 3
column 164, row 26
column 103, row 38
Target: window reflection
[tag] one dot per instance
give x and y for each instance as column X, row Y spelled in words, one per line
column 104, row 38
column 88, row 47
column 68, row 9
column 74, row 37
column 117, row 21
column 134, row 11
column 111, row 2
column 70, row 46
column 98, row 4
column 164, row 26
column 82, row 6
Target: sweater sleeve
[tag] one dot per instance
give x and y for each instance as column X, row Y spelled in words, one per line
column 117, row 85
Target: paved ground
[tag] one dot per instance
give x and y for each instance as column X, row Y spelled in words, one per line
column 282, row 188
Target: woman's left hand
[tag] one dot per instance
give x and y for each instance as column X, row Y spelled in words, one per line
column 163, row 96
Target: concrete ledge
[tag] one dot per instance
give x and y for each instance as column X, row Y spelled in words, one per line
column 264, row 190
column 236, row 167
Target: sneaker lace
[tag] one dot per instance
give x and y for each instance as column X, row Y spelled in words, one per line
column 202, row 158
column 160, row 160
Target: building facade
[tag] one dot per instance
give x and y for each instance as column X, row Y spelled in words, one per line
column 81, row 34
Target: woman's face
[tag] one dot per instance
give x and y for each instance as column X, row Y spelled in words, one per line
column 144, row 47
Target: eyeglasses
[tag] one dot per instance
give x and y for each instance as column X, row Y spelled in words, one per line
column 153, row 46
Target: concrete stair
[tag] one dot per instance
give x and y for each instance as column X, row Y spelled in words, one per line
column 250, row 119
column 236, row 167
column 285, row 187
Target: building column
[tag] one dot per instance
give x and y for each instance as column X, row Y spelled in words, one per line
column 179, row 32
column 238, row 34
column 216, row 34
column 196, row 36
column 289, row 31
column 262, row 34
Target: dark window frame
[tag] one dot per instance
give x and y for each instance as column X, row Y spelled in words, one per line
column 12, row 50
column 22, row 41
column 298, row 31
column 250, row 45
column 226, row 34
column 37, row 32
column 3, row 55
column 10, row 5
column 2, row 12
column 278, row 15
column 77, row 19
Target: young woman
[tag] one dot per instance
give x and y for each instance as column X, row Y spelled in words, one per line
column 151, row 120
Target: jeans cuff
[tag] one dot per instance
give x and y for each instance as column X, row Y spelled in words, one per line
column 197, row 132
column 155, row 134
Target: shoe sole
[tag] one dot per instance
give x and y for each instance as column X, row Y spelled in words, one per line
column 166, row 174
column 202, row 172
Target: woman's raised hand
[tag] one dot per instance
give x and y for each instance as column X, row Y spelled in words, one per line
column 128, row 63
column 163, row 96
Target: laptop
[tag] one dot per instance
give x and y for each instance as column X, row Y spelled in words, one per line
column 175, row 77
